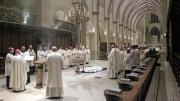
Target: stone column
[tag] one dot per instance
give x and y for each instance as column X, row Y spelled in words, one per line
column 83, row 28
column 95, row 21
column 107, row 32
column 116, row 37
column 121, row 35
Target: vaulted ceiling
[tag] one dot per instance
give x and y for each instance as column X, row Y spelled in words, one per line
column 128, row 12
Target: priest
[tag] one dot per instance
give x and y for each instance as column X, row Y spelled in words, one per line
column 18, row 74
column 40, row 53
column 66, row 58
column 31, row 64
column 87, row 53
column 8, row 65
column 113, row 62
column 54, row 87
column 24, row 53
column 75, row 51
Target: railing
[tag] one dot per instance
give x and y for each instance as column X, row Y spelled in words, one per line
column 64, row 25
column 176, row 67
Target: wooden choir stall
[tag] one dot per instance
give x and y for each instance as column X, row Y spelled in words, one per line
column 139, row 87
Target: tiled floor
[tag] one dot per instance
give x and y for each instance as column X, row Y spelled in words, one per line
column 77, row 87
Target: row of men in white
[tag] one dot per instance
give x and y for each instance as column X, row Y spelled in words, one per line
column 122, row 60
column 17, row 69
column 67, row 54
column 18, row 72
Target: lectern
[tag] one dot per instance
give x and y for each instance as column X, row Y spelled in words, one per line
column 39, row 65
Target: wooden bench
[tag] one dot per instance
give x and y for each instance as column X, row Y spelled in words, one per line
column 140, row 87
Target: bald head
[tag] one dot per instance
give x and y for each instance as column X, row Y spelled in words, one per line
column 54, row 48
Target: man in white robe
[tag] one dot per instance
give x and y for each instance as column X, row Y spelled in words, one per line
column 128, row 63
column 24, row 53
column 113, row 64
column 87, row 53
column 121, row 60
column 134, row 57
column 18, row 74
column 40, row 53
column 46, row 52
column 137, row 54
column 75, row 51
column 62, row 52
column 8, row 65
column 70, row 51
column 66, row 58
column 54, row 87
column 32, row 63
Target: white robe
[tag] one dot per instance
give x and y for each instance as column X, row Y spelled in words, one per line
column 133, row 57
column 32, row 53
column 87, row 53
column 54, row 87
column 24, row 55
column 40, row 54
column 137, row 56
column 75, row 51
column 113, row 65
column 8, row 65
column 121, row 60
column 81, row 53
column 66, row 58
column 62, row 52
column 128, row 64
column 18, row 76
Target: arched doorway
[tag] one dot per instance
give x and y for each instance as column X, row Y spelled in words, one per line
column 155, row 36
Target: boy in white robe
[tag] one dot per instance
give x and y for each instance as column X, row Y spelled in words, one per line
column 8, row 65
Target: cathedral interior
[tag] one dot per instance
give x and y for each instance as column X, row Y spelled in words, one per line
column 96, row 24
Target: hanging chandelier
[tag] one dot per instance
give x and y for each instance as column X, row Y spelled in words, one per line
column 78, row 14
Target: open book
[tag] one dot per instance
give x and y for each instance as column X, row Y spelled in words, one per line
column 29, row 58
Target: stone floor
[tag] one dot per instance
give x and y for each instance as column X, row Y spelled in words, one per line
column 77, row 87
column 86, row 87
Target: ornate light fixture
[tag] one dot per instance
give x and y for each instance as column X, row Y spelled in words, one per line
column 79, row 14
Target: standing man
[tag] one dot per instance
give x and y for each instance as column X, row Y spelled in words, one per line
column 18, row 72
column 66, row 58
column 128, row 63
column 121, row 60
column 24, row 54
column 87, row 53
column 113, row 65
column 31, row 64
column 40, row 53
column 8, row 65
column 54, row 88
